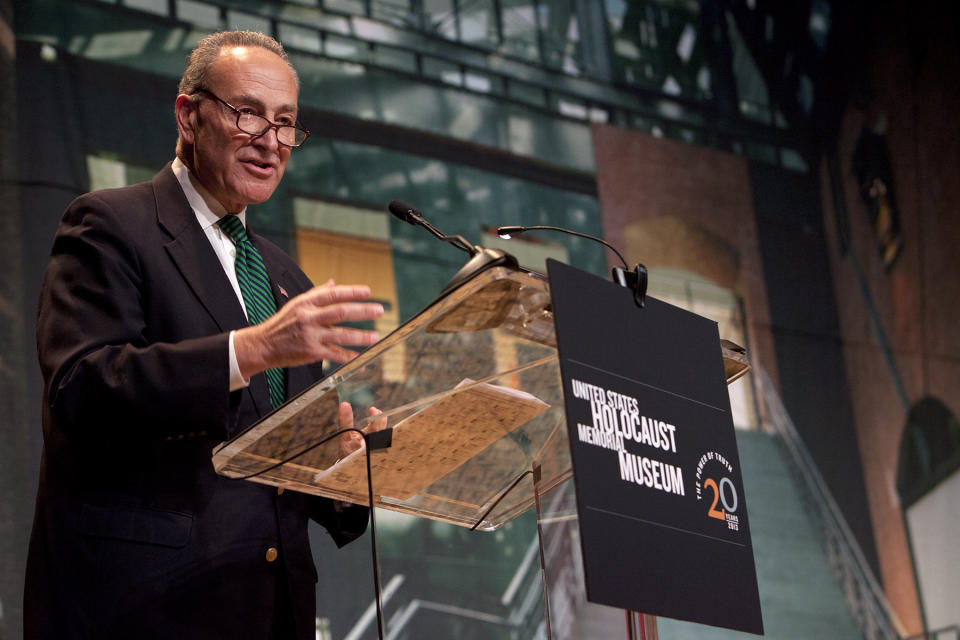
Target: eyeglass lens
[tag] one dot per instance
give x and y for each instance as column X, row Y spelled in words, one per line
column 258, row 125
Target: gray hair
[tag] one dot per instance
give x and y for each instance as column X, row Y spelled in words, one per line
column 203, row 56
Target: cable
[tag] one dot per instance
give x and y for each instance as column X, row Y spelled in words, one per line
column 372, row 441
column 373, row 546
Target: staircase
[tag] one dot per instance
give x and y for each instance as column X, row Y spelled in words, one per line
column 799, row 593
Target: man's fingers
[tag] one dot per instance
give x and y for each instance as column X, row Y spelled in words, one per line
column 330, row 293
column 351, row 440
column 375, row 425
column 345, row 415
column 348, row 312
column 348, row 336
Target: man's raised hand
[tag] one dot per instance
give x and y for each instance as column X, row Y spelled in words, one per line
column 305, row 330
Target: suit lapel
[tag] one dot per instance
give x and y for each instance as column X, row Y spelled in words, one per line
column 190, row 250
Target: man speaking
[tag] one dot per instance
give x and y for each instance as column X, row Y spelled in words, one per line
column 165, row 327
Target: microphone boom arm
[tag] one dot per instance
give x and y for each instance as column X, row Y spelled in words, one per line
column 635, row 279
column 410, row 215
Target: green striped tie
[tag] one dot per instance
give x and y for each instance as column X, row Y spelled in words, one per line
column 255, row 287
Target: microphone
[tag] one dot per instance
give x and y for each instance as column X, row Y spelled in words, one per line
column 480, row 258
column 409, row 214
column 635, row 279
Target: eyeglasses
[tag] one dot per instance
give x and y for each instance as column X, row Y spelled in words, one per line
column 291, row 135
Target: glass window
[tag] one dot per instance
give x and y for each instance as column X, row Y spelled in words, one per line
column 520, row 29
column 158, row 8
column 395, row 58
column 439, row 17
column 658, row 45
column 346, row 6
column 478, row 24
column 443, row 70
column 199, row 14
column 241, row 20
column 303, row 38
column 392, row 11
column 345, row 48
column 560, row 34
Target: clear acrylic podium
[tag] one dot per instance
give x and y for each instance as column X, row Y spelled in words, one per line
column 472, row 389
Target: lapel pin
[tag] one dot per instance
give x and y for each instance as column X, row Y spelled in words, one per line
column 283, row 291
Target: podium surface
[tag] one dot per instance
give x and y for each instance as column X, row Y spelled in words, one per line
column 471, row 386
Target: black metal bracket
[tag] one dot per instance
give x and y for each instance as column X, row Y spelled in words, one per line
column 636, row 280
column 377, row 440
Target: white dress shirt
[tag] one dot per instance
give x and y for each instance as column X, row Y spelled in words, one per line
column 208, row 212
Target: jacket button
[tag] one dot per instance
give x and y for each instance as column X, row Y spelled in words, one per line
column 271, row 554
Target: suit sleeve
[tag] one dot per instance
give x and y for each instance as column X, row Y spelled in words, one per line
column 343, row 524
column 100, row 369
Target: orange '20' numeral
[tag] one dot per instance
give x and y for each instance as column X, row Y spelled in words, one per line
column 714, row 512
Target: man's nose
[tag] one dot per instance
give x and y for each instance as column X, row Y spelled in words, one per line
column 268, row 138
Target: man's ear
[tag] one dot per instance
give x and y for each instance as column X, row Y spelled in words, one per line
column 186, row 113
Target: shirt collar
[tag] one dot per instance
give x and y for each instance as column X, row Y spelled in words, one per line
column 205, row 206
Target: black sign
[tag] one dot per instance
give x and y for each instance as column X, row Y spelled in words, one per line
column 663, row 516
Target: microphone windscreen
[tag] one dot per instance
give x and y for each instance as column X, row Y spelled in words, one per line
column 404, row 211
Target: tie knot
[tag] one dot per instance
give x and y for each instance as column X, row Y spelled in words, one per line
column 231, row 225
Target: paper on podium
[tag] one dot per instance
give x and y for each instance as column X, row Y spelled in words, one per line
column 436, row 440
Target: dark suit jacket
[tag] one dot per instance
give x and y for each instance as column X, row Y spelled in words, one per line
column 135, row 536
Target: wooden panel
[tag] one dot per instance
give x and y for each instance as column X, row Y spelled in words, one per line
column 353, row 260
column 348, row 260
